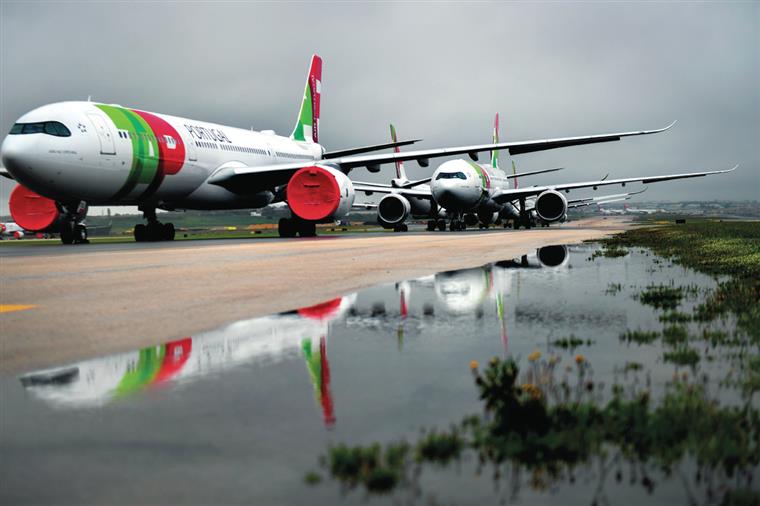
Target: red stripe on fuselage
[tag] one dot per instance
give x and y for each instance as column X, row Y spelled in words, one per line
column 170, row 160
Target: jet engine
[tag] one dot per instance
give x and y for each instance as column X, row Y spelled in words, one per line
column 393, row 210
column 32, row 211
column 552, row 256
column 320, row 193
column 551, row 206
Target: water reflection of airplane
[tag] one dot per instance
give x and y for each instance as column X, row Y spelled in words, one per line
column 467, row 291
column 272, row 338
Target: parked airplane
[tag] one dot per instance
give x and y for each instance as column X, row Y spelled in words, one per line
column 69, row 155
column 11, row 229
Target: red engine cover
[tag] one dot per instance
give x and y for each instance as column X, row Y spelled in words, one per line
column 313, row 193
column 31, row 211
column 323, row 311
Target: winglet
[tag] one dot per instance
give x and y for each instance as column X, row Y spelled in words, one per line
column 400, row 172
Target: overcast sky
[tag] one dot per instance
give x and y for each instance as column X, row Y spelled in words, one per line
column 437, row 70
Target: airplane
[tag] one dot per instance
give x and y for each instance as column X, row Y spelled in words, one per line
column 11, row 229
column 471, row 193
column 69, row 155
column 268, row 339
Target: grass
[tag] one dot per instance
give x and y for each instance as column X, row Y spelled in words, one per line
column 550, row 439
column 640, row 336
column 682, row 356
column 662, row 297
column 572, row 342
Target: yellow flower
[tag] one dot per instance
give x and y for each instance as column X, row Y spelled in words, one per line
column 473, row 364
column 579, row 359
column 534, row 356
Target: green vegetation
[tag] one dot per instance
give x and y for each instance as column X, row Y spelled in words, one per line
column 675, row 335
column 729, row 250
column 609, row 250
column 675, row 317
column 640, row 336
column 523, row 427
column 572, row 342
column 682, row 356
column 662, row 297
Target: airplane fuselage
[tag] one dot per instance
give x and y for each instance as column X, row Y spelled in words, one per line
column 108, row 155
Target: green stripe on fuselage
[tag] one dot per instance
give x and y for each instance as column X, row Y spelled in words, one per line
column 144, row 147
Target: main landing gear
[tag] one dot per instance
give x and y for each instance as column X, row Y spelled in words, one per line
column 154, row 230
column 401, row 228
column 290, row 227
column 74, row 233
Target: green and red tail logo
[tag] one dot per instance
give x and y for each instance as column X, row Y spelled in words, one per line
column 307, row 126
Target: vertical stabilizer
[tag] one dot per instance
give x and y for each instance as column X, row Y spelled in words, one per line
column 495, row 152
column 307, row 126
column 400, row 172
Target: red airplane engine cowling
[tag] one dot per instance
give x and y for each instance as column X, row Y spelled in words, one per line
column 551, row 206
column 31, row 211
column 320, row 193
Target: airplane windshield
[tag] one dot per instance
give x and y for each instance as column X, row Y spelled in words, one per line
column 47, row 127
column 451, row 175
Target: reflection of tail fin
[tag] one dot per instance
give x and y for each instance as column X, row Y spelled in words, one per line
column 307, row 126
column 495, row 152
column 400, row 172
column 319, row 370
column 514, row 172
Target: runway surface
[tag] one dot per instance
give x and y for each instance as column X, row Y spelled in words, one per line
column 67, row 303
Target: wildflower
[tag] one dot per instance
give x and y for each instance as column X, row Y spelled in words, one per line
column 534, row 356
column 473, row 364
column 579, row 359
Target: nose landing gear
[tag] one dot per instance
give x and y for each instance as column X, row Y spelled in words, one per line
column 290, row 227
column 74, row 233
column 154, row 230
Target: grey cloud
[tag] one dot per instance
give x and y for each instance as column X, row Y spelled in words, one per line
column 438, row 71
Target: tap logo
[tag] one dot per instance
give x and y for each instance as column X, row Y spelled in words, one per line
column 82, row 128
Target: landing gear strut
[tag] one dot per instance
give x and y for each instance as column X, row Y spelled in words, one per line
column 290, row 227
column 154, row 230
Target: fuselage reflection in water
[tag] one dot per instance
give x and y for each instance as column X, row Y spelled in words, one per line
column 278, row 337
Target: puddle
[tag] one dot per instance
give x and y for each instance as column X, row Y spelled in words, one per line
column 240, row 414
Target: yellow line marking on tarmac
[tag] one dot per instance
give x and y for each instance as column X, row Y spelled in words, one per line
column 7, row 308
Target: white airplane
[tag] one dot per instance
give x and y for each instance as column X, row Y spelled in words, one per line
column 11, row 229
column 470, row 193
column 68, row 155
column 267, row 339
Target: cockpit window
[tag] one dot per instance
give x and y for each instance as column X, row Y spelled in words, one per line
column 47, row 127
column 451, row 175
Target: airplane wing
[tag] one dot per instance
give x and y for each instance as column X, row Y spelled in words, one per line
column 515, row 194
column 514, row 148
column 533, row 172
column 266, row 177
column 592, row 200
column 370, row 188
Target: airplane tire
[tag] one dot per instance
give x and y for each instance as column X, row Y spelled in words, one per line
column 155, row 232
column 431, row 225
column 141, row 233
column 168, row 232
column 441, row 225
column 404, row 228
column 307, row 229
column 286, row 227
column 67, row 234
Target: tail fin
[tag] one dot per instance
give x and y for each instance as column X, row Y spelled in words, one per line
column 495, row 153
column 514, row 171
column 307, row 126
column 400, row 172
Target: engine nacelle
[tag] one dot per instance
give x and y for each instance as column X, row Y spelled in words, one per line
column 31, row 211
column 320, row 193
column 393, row 210
column 551, row 206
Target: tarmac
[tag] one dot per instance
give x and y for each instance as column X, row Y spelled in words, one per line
column 59, row 304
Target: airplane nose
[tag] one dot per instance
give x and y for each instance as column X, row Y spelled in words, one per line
column 18, row 156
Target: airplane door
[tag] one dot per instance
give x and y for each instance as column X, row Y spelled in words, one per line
column 189, row 147
column 107, row 145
